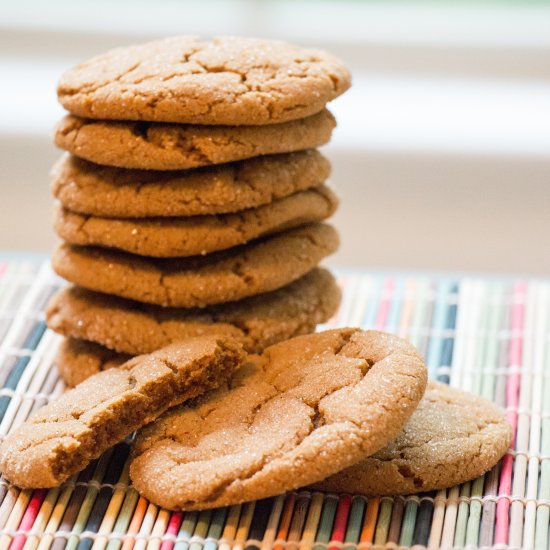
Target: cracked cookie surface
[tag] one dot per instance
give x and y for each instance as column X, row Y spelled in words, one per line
column 158, row 146
column 227, row 80
column 61, row 438
column 306, row 408
column 452, row 437
column 133, row 328
column 191, row 236
column 88, row 188
column 198, row 281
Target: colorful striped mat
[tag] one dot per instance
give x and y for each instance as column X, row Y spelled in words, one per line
column 487, row 336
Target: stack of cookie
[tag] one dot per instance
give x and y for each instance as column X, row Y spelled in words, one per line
column 191, row 216
column 191, row 198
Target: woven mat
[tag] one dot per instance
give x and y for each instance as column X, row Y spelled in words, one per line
column 487, row 336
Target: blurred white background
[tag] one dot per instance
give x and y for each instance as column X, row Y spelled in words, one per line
column 442, row 152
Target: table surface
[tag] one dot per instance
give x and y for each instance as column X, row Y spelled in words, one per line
column 488, row 336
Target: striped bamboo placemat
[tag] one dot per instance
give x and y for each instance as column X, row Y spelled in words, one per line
column 487, row 336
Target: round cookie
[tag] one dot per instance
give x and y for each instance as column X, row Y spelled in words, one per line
column 226, row 80
column 61, row 438
column 158, row 146
column 199, row 281
column 191, row 236
column 452, row 437
column 88, row 188
column 76, row 360
column 304, row 409
column 134, row 328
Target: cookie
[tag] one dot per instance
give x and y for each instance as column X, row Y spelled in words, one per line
column 190, row 236
column 257, row 322
column 304, row 409
column 452, row 437
column 227, row 80
column 199, row 281
column 88, row 188
column 77, row 360
column 158, row 146
column 61, row 438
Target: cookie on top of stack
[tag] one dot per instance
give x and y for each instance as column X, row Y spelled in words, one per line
column 192, row 197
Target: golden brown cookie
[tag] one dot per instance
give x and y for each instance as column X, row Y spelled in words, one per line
column 191, row 236
column 227, row 80
column 452, row 437
column 61, row 438
column 88, row 188
column 304, row 409
column 199, row 281
column 158, row 146
column 77, row 360
column 134, row 328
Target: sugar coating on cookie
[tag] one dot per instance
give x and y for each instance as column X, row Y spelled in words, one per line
column 257, row 322
column 227, row 80
column 88, row 188
column 452, row 437
column 198, row 281
column 306, row 408
column 190, row 236
column 61, row 438
column 158, row 146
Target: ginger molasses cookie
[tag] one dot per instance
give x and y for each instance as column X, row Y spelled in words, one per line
column 306, row 408
column 135, row 328
column 61, row 438
column 452, row 437
column 88, row 188
column 77, row 360
column 226, row 80
column 190, row 236
column 159, row 146
column 199, row 281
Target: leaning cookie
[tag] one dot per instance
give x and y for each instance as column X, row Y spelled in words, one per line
column 306, row 408
column 156, row 146
column 198, row 281
column 88, row 188
column 226, row 80
column 64, row 436
column 452, row 437
column 257, row 322
column 190, row 236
